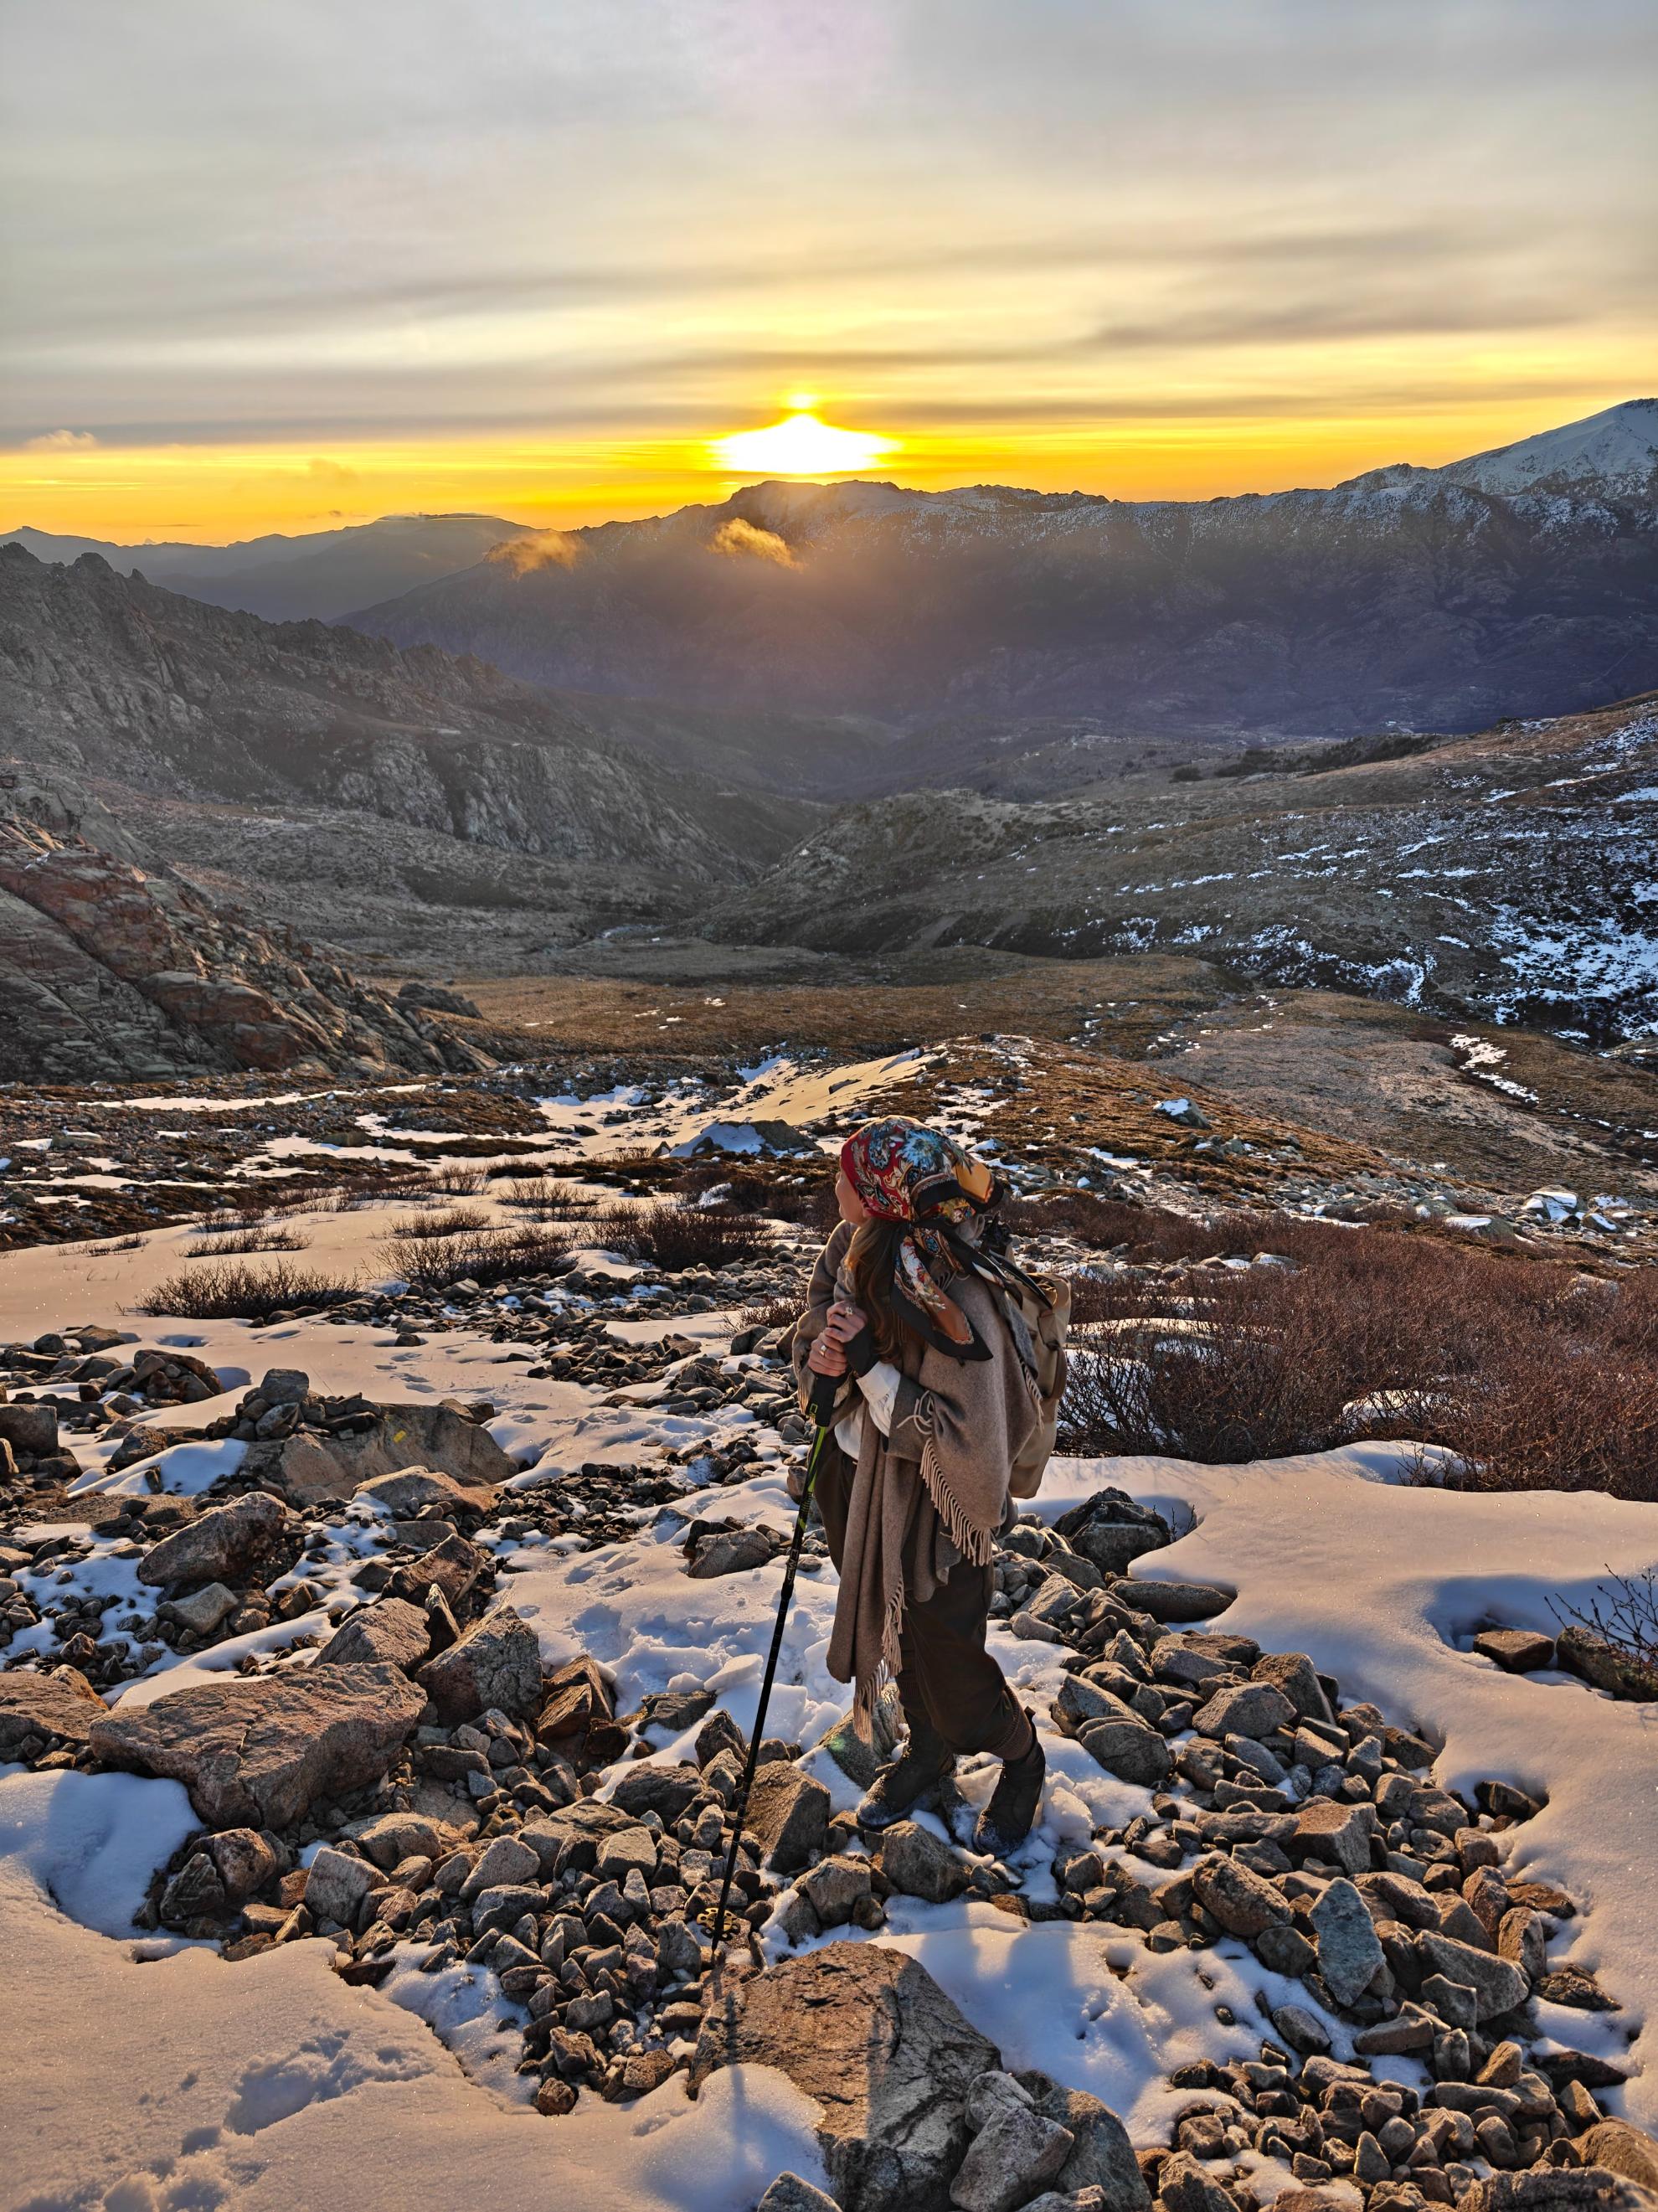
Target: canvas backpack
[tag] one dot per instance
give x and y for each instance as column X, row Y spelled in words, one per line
column 1037, row 1310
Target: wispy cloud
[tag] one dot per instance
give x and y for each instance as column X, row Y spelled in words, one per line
column 537, row 549
column 581, row 223
column 741, row 540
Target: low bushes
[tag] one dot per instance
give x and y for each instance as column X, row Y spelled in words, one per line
column 775, row 1313
column 226, row 1291
column 231, row 1244
column 447, row 1221
column 458, row 1181
column 540, row 1194
column 483, row 1256
column 753, row 1189
column 676, row 1237
column 1536, row 1377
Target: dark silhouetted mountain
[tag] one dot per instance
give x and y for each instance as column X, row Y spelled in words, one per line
column 1523, row 581
column 324, row 573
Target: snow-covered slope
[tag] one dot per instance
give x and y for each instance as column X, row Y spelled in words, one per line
column 1612, row 455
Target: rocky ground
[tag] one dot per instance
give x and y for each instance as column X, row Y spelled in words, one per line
column 1309, row 1103
column 1502, row 877
column 425, row 1788
column 456, row 1677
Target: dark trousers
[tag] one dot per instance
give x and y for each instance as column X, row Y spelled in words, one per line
column 947, row 1680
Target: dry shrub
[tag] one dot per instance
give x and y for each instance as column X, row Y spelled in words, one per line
column 1623, row 1614
column 775, row 1313
column 751, row 1188
column 539, row 1193
column 485, row 1257
column 1534, row 1377
column 229, row 1244
column 1570, row 1402
column 448, row 1221
column 1251, row 1366
column 1145, row 1232
column 450, row 1181
column 227, row 1292
column 677, row 1237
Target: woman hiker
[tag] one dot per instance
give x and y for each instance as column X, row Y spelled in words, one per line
column 913, row 1487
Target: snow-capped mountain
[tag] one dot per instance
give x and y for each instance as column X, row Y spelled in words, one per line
column 1612, row 456
column 1520, row 582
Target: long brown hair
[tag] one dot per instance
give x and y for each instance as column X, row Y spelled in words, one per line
column 871, row 1258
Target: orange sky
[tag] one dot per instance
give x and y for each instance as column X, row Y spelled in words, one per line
column 212, row 493
column 535, row 262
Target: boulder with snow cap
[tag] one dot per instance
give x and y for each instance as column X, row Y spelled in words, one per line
column 1111, row 1529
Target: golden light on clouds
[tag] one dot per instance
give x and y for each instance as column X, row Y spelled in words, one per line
column 801, row 445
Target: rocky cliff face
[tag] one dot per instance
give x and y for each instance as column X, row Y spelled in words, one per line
column 106, row 675
column 107, row 974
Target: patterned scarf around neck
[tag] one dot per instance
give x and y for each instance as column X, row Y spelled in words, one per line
column 905, row 1172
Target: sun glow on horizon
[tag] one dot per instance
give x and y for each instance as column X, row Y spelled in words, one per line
column 801, row 445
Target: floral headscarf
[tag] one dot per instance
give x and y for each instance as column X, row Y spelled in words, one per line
column 904, row 1171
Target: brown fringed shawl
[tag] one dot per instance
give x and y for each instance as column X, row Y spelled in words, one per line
column 934, row 1492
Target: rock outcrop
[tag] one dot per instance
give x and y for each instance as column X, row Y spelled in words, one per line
column 259, row 1753
column 870, row 2037
column 108, row 972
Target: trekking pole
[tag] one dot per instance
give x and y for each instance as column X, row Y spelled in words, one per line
column 821, row 1404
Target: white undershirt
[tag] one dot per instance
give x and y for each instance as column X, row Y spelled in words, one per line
column 879, row 1388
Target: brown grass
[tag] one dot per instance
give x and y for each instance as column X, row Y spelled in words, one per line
column 230, row 1243
column 448, row 1221
column 457, row 1182
column 539, row 1193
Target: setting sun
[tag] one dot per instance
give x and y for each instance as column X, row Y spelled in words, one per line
column 799, row 445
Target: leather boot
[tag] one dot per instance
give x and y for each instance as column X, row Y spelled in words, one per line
column 1006, row 1821
column 900, row 1787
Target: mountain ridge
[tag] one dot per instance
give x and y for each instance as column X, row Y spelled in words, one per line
column 286, row 577
column 1405, row 597
column 377, row 798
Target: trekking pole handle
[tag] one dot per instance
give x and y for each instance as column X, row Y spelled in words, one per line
column 820, row 1399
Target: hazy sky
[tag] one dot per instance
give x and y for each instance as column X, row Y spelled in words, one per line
column 267, row 264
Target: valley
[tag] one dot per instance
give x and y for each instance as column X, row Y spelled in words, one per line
column 423, row 1069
